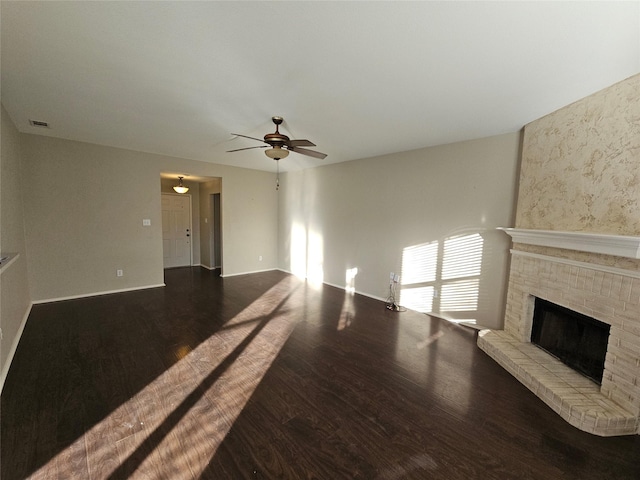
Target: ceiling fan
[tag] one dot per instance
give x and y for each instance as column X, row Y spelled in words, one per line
column 281, row 145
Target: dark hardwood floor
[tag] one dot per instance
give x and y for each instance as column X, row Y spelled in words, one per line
column 265, row 376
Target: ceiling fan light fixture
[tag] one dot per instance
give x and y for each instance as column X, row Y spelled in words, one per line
column 180, row 188
column 276, row 153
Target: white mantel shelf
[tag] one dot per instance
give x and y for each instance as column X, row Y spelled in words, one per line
column 617, row 245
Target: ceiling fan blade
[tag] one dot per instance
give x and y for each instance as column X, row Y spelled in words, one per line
column 310, row 153
column 247, row 148
column 245, row 136
column 300, row 143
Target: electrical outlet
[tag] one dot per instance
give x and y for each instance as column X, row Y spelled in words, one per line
column 260, row 258
column 396, row 278
column 119, row 273
column 146, row 222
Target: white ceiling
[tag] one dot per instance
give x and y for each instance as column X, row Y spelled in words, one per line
column 359, row 79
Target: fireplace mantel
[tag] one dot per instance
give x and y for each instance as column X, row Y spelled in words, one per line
column 617, row 245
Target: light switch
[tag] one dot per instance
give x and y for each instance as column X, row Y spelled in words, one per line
column 146, row 222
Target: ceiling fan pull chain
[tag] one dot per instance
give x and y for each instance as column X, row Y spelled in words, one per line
column 277, row 175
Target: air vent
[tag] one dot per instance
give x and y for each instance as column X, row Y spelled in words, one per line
column 38, row 123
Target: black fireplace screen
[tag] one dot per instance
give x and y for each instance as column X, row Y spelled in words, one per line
column 577, row 340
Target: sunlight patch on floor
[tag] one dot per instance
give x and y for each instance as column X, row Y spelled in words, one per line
column 348, row 311
column 178, row 421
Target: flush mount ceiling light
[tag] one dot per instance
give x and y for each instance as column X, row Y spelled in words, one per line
column 180, row 188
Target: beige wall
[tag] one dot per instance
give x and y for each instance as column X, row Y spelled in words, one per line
column 364, row 214
column 85, row 208
column 15, row 300
column 581, row 165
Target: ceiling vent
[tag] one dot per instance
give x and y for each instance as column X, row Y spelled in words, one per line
column 38, row 123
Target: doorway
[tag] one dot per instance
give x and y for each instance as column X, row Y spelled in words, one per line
column 201, row 245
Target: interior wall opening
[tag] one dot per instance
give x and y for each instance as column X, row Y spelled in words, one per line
column 199, row 230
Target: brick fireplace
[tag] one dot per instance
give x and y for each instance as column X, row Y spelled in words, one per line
column 590, row 285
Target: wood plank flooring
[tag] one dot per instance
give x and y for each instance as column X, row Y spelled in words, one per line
column 265, row 376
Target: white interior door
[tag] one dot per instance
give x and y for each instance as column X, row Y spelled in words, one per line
column 176, row 230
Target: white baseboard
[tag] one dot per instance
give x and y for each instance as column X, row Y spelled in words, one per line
column 465, row 323
column 364, row 294
column 208, row 267
column 14, row 346
column 341, row 287
column 96, row 294
column 248, row 273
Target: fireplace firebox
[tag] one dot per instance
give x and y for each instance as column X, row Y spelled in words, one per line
column 577, row 340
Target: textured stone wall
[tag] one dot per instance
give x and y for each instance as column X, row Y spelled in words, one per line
column 581, row 165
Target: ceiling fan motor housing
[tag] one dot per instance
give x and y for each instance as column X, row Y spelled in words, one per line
column 276, row 139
